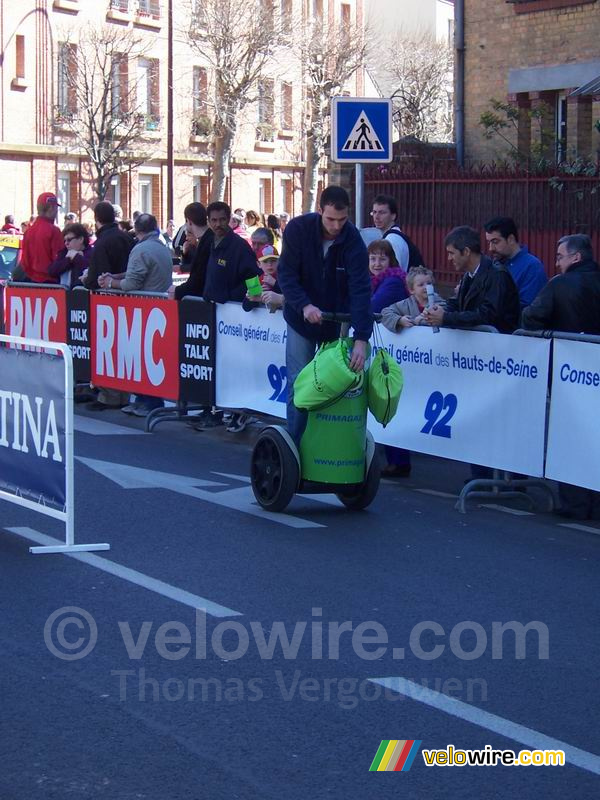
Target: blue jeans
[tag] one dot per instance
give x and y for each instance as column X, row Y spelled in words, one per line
column 299, row 351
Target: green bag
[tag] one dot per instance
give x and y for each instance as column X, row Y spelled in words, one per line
column 385, row 386
column 327, row 377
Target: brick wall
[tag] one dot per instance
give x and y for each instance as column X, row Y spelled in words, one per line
column 497, row 39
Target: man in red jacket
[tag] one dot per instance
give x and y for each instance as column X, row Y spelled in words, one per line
column 42, row 241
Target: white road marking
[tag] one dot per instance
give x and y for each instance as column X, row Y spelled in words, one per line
column 242, row 499
column 435, row 493
column 129, row 477
column 532, row 739
column 327, row 499
column 97, row 427
column 507, row 510
column 576, row 527
column 133, row 576
column 238, row 499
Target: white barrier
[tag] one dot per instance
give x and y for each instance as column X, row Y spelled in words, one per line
column 470, row 396
column 573, row 450
column 29, row 456
column 250, row 365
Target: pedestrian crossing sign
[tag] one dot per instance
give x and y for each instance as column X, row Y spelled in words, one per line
column 361, row 130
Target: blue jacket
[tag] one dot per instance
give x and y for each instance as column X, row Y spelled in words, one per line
column 392, row 290
column 528, row 273
column 338, row 281
column 229, row 265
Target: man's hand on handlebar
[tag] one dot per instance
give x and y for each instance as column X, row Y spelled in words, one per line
column 359, row 355
column 312, row 314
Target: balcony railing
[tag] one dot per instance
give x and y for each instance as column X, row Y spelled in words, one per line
column 119, row 5
column 150, row 122
column 148, row 8
column 62, row 116
column 202, row 125
column 265, row 132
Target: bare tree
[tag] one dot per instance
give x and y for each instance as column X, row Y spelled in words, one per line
column 104, row 108
column 419, row 72
column 236, row 43
column 330, row 55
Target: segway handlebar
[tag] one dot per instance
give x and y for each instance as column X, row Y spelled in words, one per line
column 337, row 316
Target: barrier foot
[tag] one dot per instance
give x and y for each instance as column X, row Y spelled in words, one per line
column 502, row 488
column 68, row 548
column 172, row 414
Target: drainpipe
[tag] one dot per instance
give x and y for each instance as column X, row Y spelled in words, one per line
column 170, row 132
column 459, row 52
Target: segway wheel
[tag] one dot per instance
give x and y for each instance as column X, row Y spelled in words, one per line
column 366, row 494
column 273, row 472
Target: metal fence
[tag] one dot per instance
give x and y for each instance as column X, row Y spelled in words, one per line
column 435, row 197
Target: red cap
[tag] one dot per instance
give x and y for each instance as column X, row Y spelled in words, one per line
column 48, row 197
column 268, row 252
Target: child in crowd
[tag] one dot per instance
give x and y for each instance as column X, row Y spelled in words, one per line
column 271, row 294
column 405, row 314
column 409, row 312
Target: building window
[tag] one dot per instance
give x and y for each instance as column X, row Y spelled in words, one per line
column 119, row 87
column 561, row 128
column 201, row 190
column 314, row 10
column 120, row 5
column 287, row 195
column 145, row 194
column 20, row 56
column 286, row 15
column 265, row 195
column 200, row 90
column 149, row 8
column 66, row 69
column 148, row 99
column 63, row 183
column 113, row 194
column 266, row 103
column 287, row 117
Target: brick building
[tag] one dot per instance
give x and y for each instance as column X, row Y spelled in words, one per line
column 536, row 54
column 38, row 152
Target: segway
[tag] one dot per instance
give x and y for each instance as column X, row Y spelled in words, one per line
column 336, row 455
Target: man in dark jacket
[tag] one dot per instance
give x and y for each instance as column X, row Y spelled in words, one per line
column 324, row 267
column 231, row 261
column 487, row 295
column 571, row 302
column 109, row 255
column 112, row 247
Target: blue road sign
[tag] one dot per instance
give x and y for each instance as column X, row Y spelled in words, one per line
column 361, row 130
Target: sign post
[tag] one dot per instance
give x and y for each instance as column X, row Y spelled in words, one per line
column 361, row 133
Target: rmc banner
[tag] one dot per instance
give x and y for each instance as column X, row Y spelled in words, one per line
column 135, row 344
column 32, row 426
column 470, row 396
column 573, row 450
column 36, row 312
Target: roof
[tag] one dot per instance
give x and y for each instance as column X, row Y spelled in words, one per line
column 591, row 87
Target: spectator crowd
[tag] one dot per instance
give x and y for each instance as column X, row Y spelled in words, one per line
column 314, row 263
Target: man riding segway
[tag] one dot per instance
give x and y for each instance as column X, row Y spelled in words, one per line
column 324, row 274
column 324, row 266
